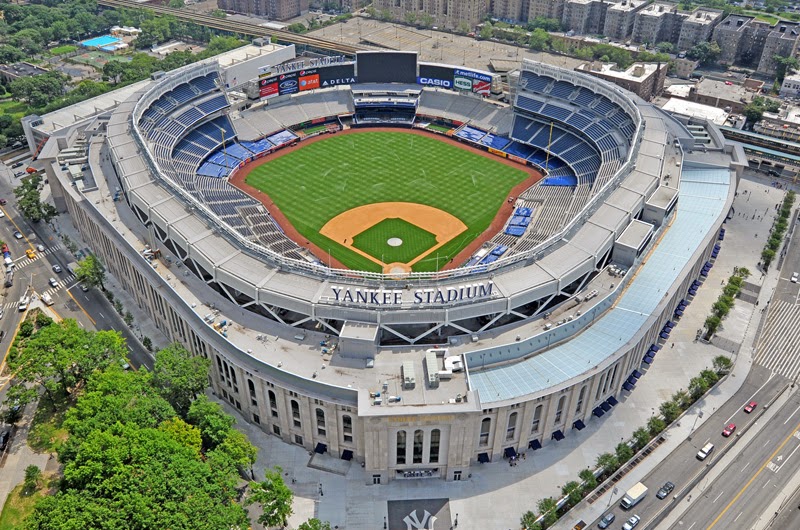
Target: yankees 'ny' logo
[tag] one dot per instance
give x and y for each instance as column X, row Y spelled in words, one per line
column 413, row 522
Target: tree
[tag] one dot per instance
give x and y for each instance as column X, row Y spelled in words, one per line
column 212, row 421
column 573, row 491
column 176, row 4
column 589, row 480
column 670, row 410
column 712, row 325
column 623, row 452
column 33, row 475
column 705, row 52
column 315, row 524
column 91, row 272
column 722, row 364
column 61, row 357
column 486, row 31
column 241, row 451
column 697, row 387
column 297, row 27
column 539, row 40
column 656, row 425
column 608, row 462
column 183, row 433
column 29, row 200
column 641, row 437
column 549, row 510
column 40, row 89
column 784, row 66
column 274, row 497
column 410, row 17
column 665, row 47
column 180, row 376
column 528, row 521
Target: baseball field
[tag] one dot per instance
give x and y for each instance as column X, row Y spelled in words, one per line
column 377, row 201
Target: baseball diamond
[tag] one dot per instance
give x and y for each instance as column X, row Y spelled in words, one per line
column 313, row 185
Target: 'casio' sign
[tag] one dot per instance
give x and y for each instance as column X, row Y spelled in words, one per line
column 291, row 83
column 435, row 82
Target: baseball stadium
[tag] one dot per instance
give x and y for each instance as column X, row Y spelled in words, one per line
column 408, row 265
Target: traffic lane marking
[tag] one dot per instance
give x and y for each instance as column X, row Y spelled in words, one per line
column 752, row 479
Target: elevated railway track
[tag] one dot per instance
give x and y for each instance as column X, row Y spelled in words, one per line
column 243, row 28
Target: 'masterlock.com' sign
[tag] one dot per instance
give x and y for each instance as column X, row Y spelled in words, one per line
column 430, row 296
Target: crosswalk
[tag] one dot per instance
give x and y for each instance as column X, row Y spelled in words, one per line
column 779, row 347
column 24, row 260
column 66, row 282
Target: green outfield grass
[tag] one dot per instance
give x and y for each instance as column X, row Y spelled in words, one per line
column 375, row 241
column 323, row 179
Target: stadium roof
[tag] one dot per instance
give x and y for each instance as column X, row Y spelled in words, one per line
column 703, row 197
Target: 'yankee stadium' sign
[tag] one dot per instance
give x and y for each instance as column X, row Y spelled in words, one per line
column 431, row 296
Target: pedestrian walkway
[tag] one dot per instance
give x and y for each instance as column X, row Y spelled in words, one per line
column 780, row 349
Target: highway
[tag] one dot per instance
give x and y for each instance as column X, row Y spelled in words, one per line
column 760, row 472
column 682, row 468
column 243, row 28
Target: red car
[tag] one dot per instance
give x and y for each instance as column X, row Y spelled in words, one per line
column 750, row 407
column 729, row 429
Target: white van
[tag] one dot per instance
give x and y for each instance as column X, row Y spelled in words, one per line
column 703, row 453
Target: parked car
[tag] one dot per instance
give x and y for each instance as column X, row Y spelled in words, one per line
column 728, row 430
column 16, row 165
column 84, row 288
column 606, row 520
column 40, row 247
column 665, row 490
column 631, row 523
column 750, row 407
column 3, row 202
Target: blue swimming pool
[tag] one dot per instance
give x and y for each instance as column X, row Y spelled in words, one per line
column 97, row 42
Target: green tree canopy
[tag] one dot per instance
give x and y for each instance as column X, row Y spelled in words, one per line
column 180, row 376
column 212, row 421
column 61, row 357
column 274, row 497
column 91, row 272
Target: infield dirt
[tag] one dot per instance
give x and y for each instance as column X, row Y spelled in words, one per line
column 503, row 213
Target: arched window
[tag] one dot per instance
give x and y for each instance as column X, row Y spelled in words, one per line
column 512, row 426
column 296, row 413
column 537, row 418
column 401, row 447
column 486, row 426
column 252, row 388
column 347, row 428
column 436, row 436
column 320, row 422
column 418, row 440
column 582, row 395
column 273, row 403
column 560, row 408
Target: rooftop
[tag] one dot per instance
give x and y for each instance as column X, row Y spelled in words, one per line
column 625, row 6
column 691, row 109
column 635, row 72
column 724, row 90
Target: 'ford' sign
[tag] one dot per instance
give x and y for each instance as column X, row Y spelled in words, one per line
column 291, row 83
column 429, row 81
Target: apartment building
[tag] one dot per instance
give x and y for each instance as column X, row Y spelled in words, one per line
column 546, row 9
column 516, row 10
column 657, row 22
column 748, row 42
column 272, row 9
column 620, row 19
column 445, row 14
column 585, row 16
column 698, row 27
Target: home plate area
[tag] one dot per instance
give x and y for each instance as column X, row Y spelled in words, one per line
column 422, row 514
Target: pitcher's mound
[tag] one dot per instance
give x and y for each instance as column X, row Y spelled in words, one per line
column 394, row 242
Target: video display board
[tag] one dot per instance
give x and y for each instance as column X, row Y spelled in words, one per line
column 435, row 75
column 341, row 74
column 386, row 67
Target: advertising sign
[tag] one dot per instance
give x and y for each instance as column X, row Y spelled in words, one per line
column 386, row 67
column 308, row 79
column 268, row 87
column 344, row 74
column 288, row 84
column 430, row 81
column 435, row 75
column 477, row 82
